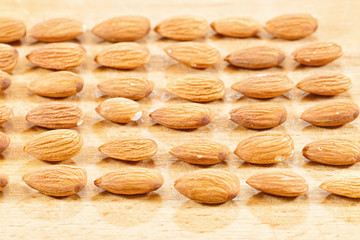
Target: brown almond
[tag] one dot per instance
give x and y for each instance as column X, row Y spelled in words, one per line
column 4, row 180
column 11, row 30
column 5, row 81
column 236, row 27
column 57, row 181
column 9, row 58
column 345, row 186
column 6, row 114
column 4, row 142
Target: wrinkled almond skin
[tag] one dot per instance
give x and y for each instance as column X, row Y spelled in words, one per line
column 123, row 29
column 202, row 152
column 236, row 27
column 210, row 186
column 198, row 87
column 259, row 116
column 317, row 54
column 279, row 183
column 131, row 181
column 9, row 58
column 55, row 145
column 346, row 186
column 11, row 30
column 4, row 181
column 6, row 114
column 292, row 26
column 58, row 56
column 57, row 181
column 265, row 148
column 5, row 81
column 4, row 142
column 331, row 114
column 264, row 85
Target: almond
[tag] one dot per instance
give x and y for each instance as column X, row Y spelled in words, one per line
column 203, row 152
column 131, row 87
column 198, row 87
column 123, row 56
column 57, row 181
column 264, row 85
column 129, row 149
column 4, row 180
column 331, row 114
column 131, row 181
column 6, row 114
column 123, row 29
column 279, row 183
column 183, row 28
column 9, row 58
column 236, row 27
column 5, row 81
column 345, row 186
column 119, row 110
column 56, row 84
column 259, row 116
column 4, row 142
column 182, row 116
column 211, row 186
column 317, row 54
column 292, row 26
column 266, row 148
column 57, row 30
column 58, row 56
column 55, row 145
column 11, row 30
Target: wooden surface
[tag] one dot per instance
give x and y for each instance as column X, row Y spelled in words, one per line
column 165, row 214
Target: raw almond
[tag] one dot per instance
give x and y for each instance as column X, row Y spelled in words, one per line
column 57, row 30
column 56, row 84
column 131, row 87
column 131, row 181
column 264, row 85
column 11, row 30
column 236, row 27
column 129, row 149
column 279, row 183
column 58, row 56
column 57, row 181
column 259, row 116
column 345, row 186
column 198, row 87
column 183, row 28
column 55, row 145
column 9, row 58
column 123, row 29
column 4, row 180
column 203, row 152
column 266, row 148
column 331, row 114
column 182, row 116
column 317, row 54
column 119, row 110
column 6, row 114
column 211, row 186
column 4, row 142
column 194, row 54
column 5, row 81
column 292, row 26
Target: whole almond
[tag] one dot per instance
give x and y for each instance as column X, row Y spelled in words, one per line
column 55, row 145
column 345, row 186
column 123, row 29
column 58, row 56
column 4, row 142
column 264, row 85
column 266, row 148
column 211, row 186
column 183, row 28
column 57, row 30
column 56, row 84
column 9, row 58
column 5, row 81
column 236, row 27
column 131, row 181
column 259, row 116
column 11, row 30
column 4, row 180
column 292, row 26
column 317, row 54
column 57, row 181
column 6, row 114
column 203, row 152
column 198, row 87
column 331, row 114
column 279, row 183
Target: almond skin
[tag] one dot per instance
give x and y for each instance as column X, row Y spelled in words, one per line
column 4, row 180
column 236, row 27
column 279, row 183
column 131, row 181
column 345, row 186
column 57, row 181
column 258, row 57
column 55, row 145
column 129, row 149
column 183, row 28
column 264, row 85
column 9, row 58
column 4, row 142
column 202, row 152
column 259, row 116
column 198, row 87
column 11, row 30
column 5, row 81
column 123, row 29
column 210, row 186
column 58, row 56
column 6, row 114
column 317, row 54
column 292, row 26
column 265, row 148
column 331, row 114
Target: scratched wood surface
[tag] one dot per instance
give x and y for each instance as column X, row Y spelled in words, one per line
column 165, row 214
